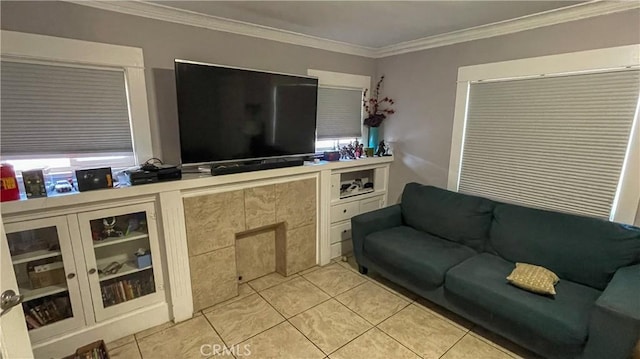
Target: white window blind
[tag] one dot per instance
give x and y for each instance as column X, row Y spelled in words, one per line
column 50, row 109
column 554, row 143
column 339, row 113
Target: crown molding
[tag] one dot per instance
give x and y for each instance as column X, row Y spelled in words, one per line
column 529, row 22
column 185, row 17
column 191, row 18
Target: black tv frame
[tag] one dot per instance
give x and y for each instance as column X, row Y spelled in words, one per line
column 250, row 163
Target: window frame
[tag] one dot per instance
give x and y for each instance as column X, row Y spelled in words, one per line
column 627, row 196
column 24, row 47
column 345, row 81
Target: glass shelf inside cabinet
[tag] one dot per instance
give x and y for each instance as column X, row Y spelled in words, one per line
column 123, row 257
column 38, row 265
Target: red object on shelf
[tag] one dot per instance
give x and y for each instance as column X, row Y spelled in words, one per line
column 9, row 191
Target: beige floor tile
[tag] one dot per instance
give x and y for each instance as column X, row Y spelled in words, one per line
column 334, row 279
column 470, row 347
column 372, row 302
column 244, row 290
column 312, row 269
column 243, row 319
column 145, row 333
column 294, row 296
column 182, row 340
column 127, row 351
column 373, row 344
column 281, row 342
column 269, row 281
column 502, row 343
column 444, row 313
column 120, row 342
column 395, row 288
column 350, row 263
column 426, row 334
column 330, row 325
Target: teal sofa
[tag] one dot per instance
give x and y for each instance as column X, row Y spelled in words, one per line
column 457, row 250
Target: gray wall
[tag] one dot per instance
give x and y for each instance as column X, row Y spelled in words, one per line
column 424, row 87
column 162, row 42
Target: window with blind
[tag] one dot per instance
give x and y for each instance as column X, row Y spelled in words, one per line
column 550, row 142
column 65, row 116
column 339, row 116
column 339, row 113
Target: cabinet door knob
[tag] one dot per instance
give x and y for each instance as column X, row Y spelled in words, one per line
column 71, row 275
column 92, row 270
column 344, row 211
column 345, row 231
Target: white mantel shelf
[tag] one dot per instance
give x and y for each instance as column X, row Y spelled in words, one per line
column 189, row 181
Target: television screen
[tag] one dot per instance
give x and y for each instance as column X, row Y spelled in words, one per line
column 229, row 114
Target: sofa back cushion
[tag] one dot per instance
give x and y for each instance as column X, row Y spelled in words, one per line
column 449, row 215
column 581, row 249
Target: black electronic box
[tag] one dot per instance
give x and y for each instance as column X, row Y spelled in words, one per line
column 137, row 177
column 92, row 179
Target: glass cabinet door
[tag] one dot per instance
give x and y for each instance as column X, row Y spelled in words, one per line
column 43, row 262
column 121, row 249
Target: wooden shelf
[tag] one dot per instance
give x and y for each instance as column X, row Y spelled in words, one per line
column 35, row 255
column 358, row 197
column 134, row 236
column 359, row 193
column 31, row 294
column 127, row 268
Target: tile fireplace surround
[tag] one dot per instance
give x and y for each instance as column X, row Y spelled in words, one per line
column 240, row 235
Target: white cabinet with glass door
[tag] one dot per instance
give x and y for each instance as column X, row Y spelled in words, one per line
column 120, row 245
column 42, row 258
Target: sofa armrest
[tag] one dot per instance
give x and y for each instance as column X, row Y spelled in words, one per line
column 614, row 326
column 374, row 221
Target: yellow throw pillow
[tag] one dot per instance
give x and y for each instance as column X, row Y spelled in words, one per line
column 533, row 278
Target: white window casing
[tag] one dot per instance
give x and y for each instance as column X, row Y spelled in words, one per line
column 103, row 59
column 552, row 142
column 556, row 132
column 339, row 104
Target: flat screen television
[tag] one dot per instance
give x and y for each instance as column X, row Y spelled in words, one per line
column 229, row 114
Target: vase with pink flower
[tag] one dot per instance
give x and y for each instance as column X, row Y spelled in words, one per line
column 376, row 111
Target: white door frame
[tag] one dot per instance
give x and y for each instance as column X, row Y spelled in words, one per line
column 14, row 337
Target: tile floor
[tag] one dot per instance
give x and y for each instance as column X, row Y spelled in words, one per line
column 324, row 312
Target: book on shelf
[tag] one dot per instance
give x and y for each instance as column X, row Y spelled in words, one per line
column 47, row 311
column 123, row 290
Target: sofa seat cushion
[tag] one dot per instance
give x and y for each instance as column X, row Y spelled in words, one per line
column 419, row 256
column 562, row 319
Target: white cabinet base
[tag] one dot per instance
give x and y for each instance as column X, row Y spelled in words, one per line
column 341, row 249
column 341, row 213
column 108, row 330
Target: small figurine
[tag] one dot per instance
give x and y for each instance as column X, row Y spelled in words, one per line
column 110, row 228
column 359, row 150
column 382, row 149
column 347, row 152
